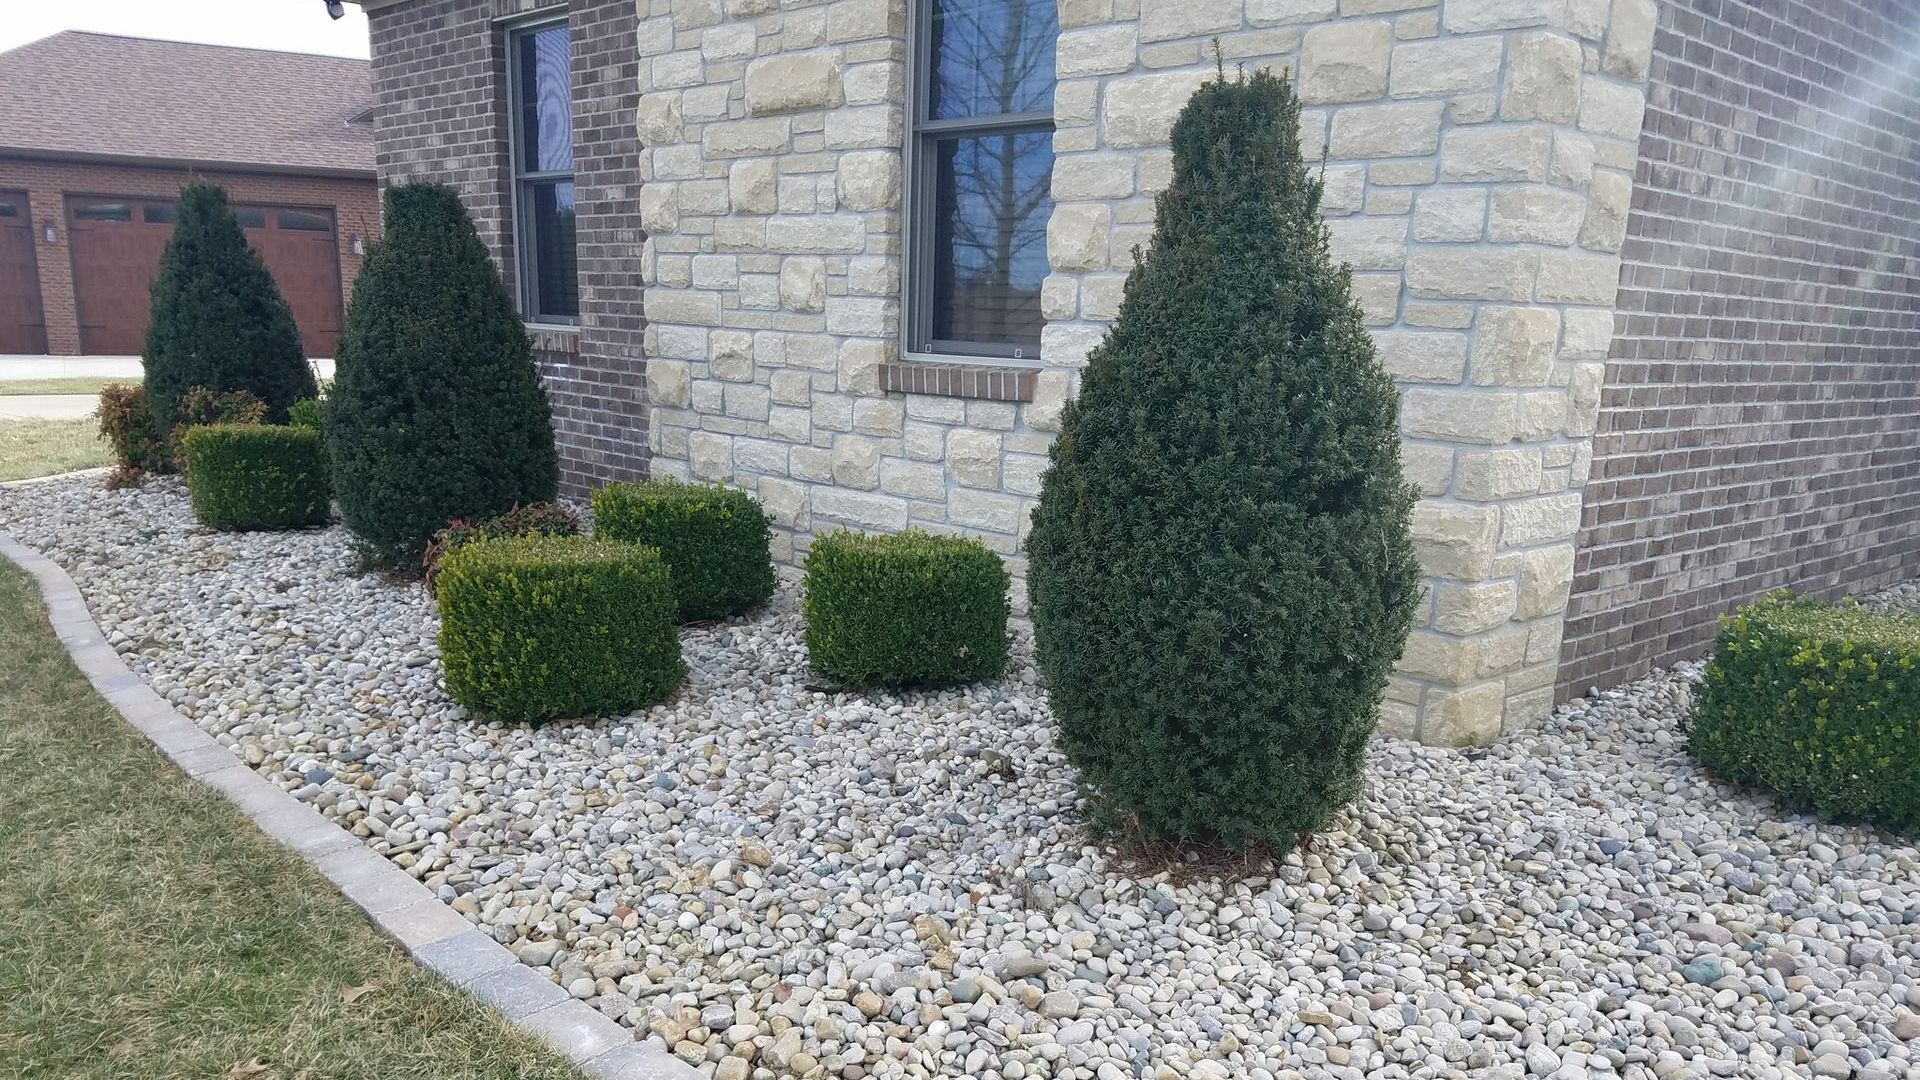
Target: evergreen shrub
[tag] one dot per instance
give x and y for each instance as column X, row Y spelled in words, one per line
column 1818, row 703
column 715, row 539
column 537, row 628
column 256, row 476
column 1220, row 563
column 910, row 609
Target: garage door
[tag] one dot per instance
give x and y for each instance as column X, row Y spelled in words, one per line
column 22, row 329
column 116, row 255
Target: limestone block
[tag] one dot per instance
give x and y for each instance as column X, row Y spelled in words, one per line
column 1378, row 296
column 878, row 416
column 879, row 513
column 859, row 20
column 763, row 457
column 836, row 234
column 1572, row 161
column 1630, row 39
column 746, row 138
column 987, row 510
column 675, row 69
column 683, row 306
column 1454, row 539
column 1417, row 356
column 1077, row 235
column 867, row 126
column 922, row 480
column 1543, row 78
column 669, row 383
column 856, row 462
column 1092, row 176
column 1609, row 198
column 1584, row 383
column 1470, row 16
column 1050, row 392
column 974, row 457
column 705, row 197
column 1164, row 20
column 1446, row 66
column 1468, row 716
column 810, row 463
column 795, row 425
column 1504, row 473
column 1500, row 153
column 1472, row 273
column 1344, row 189
column 1140, row 108
column 1515, row 346
column 1443, row 658
column 659, row 205
column 693, row 14
column 1609, row 108
column 1575, row 277
column 1540, row 520
column 1427, row 467
column 784, row 501
column 803, row 284
column 1450, row 215
column 1345, row 61
column 657, row 118
column 1085, row 12
column 1488, row 416
column 1369, row 243
column 747, row 401
column 731, row 42
column 868, row 316
column 710, row 456
column 1546, row 578
column 1536, row 214
column 730, row 355
column 1096, row 50
column 1472, row 607
column 1282, row 12
column 1587, row 335
column 860, row 360
column 791, row 387
column 1400, row 130
column 869, row 180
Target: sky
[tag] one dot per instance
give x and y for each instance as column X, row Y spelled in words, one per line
column 291, row 25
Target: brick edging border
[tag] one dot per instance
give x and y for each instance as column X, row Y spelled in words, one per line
column 433, row 934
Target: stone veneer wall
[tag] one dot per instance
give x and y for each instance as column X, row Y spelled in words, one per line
column 1478, row 178
column 1760, row 425
column 439, row 82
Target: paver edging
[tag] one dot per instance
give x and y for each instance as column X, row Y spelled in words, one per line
column 397, row 905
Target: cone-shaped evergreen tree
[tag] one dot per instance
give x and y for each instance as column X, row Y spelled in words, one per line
column 436, row 411
column 217, row 319
column 1220, row 564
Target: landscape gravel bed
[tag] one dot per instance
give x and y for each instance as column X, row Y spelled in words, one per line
column 775, row 879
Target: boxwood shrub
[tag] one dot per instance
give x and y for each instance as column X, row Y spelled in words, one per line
column 533, row 519
column 540, row 627
column 715, row 539
column 256, row 476
column 1819, row 703
column 905, row 610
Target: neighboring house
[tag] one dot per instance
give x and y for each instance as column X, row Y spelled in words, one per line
column 851, row 255
column 98, row 133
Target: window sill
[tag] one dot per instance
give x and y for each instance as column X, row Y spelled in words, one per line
column 554, row 337
column 946, row 378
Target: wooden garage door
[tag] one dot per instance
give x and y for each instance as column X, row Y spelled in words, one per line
column 117, row 244
column 22, row 328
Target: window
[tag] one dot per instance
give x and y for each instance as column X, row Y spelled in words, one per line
column 102, row 211
column 8, row 209
column 305, row 221
column 539, row 59
column 250, row 217
column 157, row 213
column 981, row 162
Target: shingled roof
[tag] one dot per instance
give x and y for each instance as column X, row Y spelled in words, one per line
column 100, row 96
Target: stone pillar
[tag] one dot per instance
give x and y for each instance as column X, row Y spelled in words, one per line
column 1479, row 159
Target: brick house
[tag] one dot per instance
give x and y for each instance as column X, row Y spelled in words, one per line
column 99, row 133
column 1644, row 268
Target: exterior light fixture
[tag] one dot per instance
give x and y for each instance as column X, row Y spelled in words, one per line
column 47, row 235
column 335, row 9
column 359, row 246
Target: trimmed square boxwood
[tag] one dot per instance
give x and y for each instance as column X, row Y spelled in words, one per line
column 541, row 627
column 256, row 476
column 905, row 610
column 1819, row 703
column 715, row 539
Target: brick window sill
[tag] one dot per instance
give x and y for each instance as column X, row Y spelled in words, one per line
column 981, row 382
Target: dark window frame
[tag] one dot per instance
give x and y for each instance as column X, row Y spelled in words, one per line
column 921, row 200
column 521, row 181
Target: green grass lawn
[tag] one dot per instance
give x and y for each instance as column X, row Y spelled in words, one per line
column 45, row 447
column 148, row 931
column 77, row 385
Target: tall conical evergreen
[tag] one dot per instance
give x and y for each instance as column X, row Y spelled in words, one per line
column 1220, row 568
column 217, row 319
column 436, row 411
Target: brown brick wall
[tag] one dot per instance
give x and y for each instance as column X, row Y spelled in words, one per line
column 355, row 204
column 439, row 72
column 1760, row 425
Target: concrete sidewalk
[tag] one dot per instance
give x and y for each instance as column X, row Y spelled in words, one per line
column 97, row 367
column 47, row 406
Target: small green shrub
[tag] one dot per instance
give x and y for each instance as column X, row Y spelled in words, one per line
column 905, row 610
column 715, row 539
column 256, row 476
column 308, row 413
column 139, row 446
column 1818, row 703
column 541, row 627
column 534, row 519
